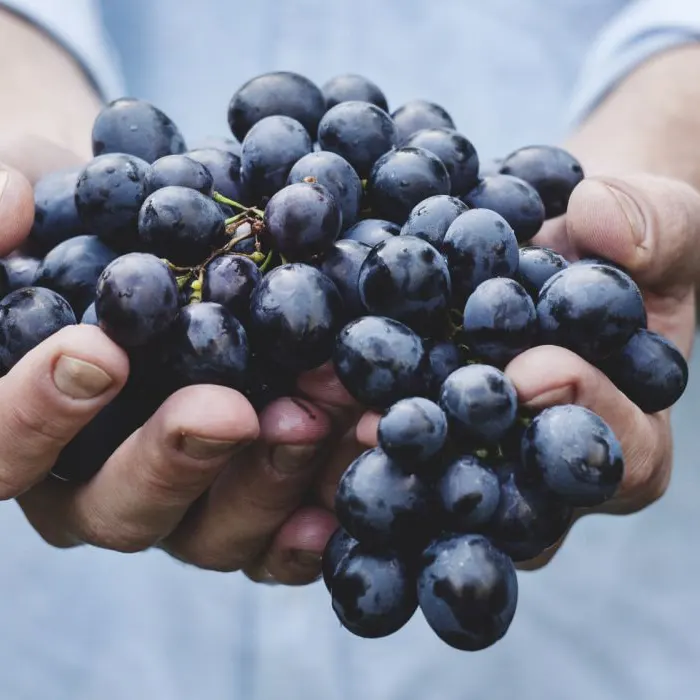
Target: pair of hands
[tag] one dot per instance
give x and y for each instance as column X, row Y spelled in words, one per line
column 216, row 486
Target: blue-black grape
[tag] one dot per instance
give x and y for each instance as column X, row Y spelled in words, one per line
column 279, row 93
column 379, row 361
column 267, row 381
column 514, row 199
column 182, row 171
column 137, row 128
column 650, row 370
column 406, row 279
column 225, row 169
column 499, row 321
column 371, row 232
column 230, row 280
column 352, row 88
column 296, row 312
column 455, row 151
column 467, row 591
column 341, row 263
column 443, row 358
column 339, row 545
column 431, row 218
column 403, row 178
column 301, row 221
column 137, row 299
column 337, row 176
column 592, row 310
column 108, row 196
column 220, row 143
column 536, row 266
column 72, row 269
column 575, row 454
column 416, row 115
column 20, row 269
column 29, row 316
column 552, row 171
column 360, row 132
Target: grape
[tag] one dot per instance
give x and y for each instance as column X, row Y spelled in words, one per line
column 649, row 370
column 20, row 270
column 55, row 215
column 295, row 314
column 468, row 493
column 302, row 221
column 337, row 548
column 575, row 454
column 181, row 224
column 591, row 309
column 417, row 115
column 480, row 403
column 479, row 245
column 374, row 595
column 403, row 178
column 72, row 269
column 412, row 431
column 500, row 321
column 455, row 151
column 431, row 218
column 360, row 132
column 406, row 279
column 380, row 504
column 550, row 170
column 280, row 93
column 28, row 316
column 218, row 143
column 225, row 169
column 353, row 88
column 269, row 151
column 267, row 381
column 136, row 128
column 337, row 176
column 136, row 299
column 230, row 280
column 341, row 264
column 515, row 200
column 370, row 232
column 536, row 266
column 182, row 171
column 379, row 361
column 108, row 196
column 467, row 591
column 443, row 358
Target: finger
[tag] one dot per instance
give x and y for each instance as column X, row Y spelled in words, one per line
column 234, row 522
column 16, row 208
column 48, row 396
column 323, row 388
column 367, row 429
column 345, row 451
column 35, row 157
column 146, row 487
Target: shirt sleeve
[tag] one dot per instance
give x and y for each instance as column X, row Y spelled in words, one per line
column 645, row 28
column 77, row 26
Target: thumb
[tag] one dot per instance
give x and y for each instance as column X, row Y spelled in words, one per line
column 16, row 208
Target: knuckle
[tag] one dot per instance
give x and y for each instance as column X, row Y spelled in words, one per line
column 29, row 421
column 11, row 484
column 123, row 539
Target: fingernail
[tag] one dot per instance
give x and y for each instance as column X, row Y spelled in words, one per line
column 79, row 379
column 632, row 212
column 203, row 448
column 306, row 559
column 555, row 397
column 288, row 459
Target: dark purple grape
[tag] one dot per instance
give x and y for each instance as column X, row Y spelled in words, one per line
column 230, row 280
column 4, row 281
column 271, row 94
column 467, row 591
column 406, row 279
column 575, row 454
column 28, row 316
column 649, row 370
column 219, row 143
column 371, row 232
column 20, row 270
column 480, row 403
column 267, row 381
column 431, row 218
column 341, row 264
column 337, row 548
column 270, row 149
column 225, row 169
column 592, row 310
column 108, row 196
column 182, row 225
column 380, row 361
column 479, row 245
column 552, row 171
column 455, row 151
column 443, row 358
column 360, row 132
column 72, row 269
column 302, row 221
column 181, row 171
column 499, row 321
column 137, row 128
column 137, row 299
column 337, row 176
column 353, row 88
column 374, row 595
column 295, row 314
column 514, row 199
column 89, row 317
column 403, row 178
column 536, row 266
column 417, row 115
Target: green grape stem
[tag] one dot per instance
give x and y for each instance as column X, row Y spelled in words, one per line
column 218, row 197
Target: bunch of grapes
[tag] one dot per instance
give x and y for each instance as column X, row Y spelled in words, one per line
column 330, row 229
